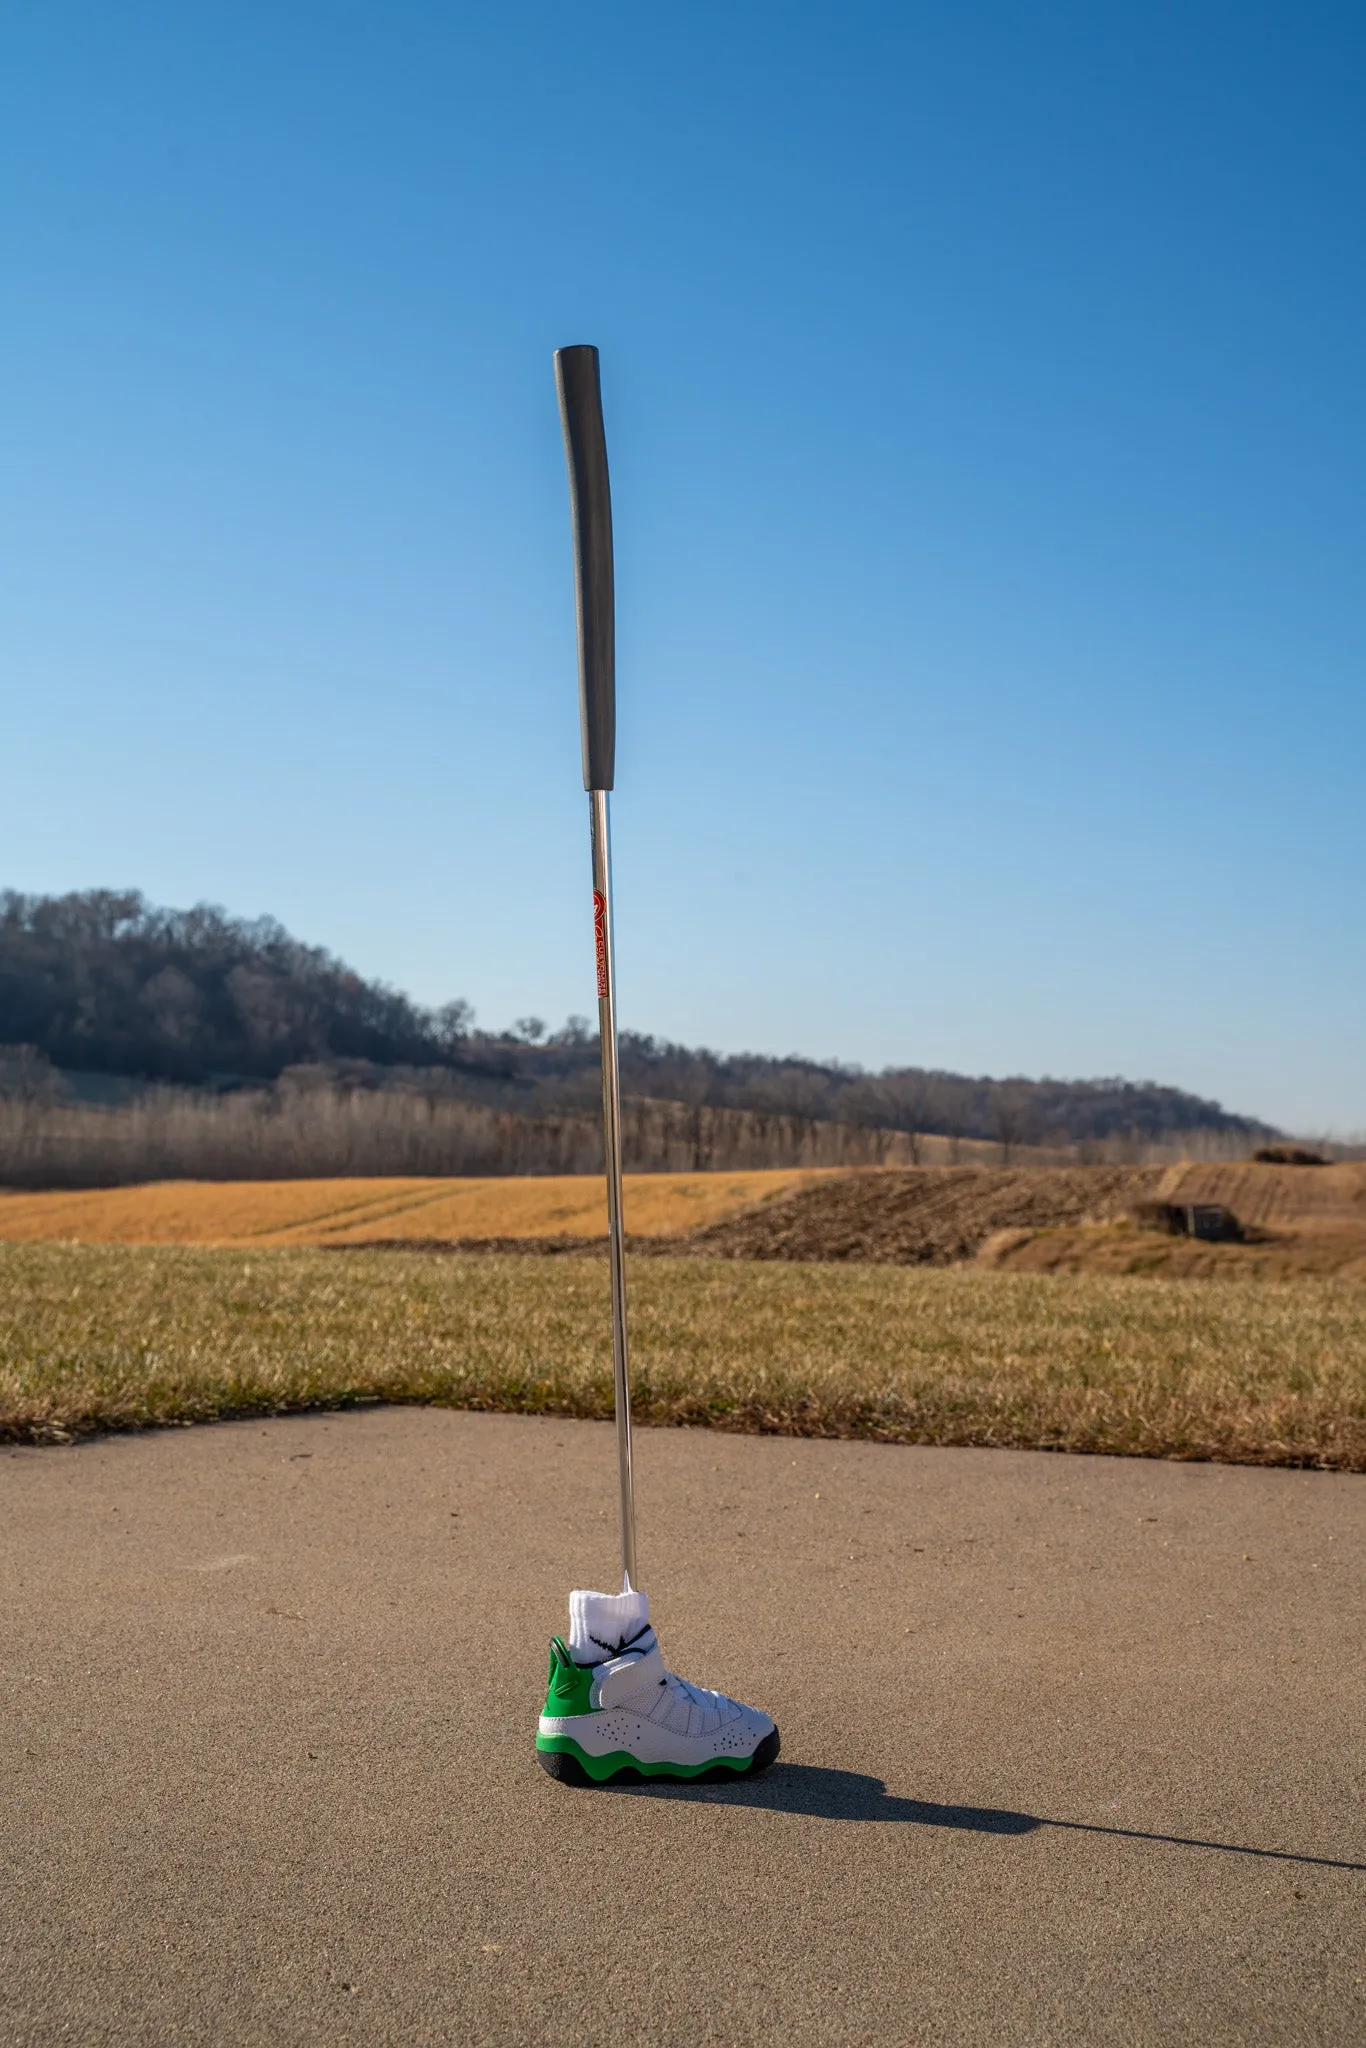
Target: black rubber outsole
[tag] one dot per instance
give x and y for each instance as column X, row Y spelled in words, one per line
column 569, row 1771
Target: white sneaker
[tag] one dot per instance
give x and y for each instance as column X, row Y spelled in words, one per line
column 627, row 1715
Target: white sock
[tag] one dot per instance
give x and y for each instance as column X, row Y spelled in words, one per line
column 603, row 1625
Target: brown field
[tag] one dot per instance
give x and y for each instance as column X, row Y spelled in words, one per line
column 1062, row 1219
column 337, row 1212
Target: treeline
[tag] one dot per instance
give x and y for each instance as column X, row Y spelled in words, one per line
column 1011, row 1113
column 103, row 984
column 292, row 1131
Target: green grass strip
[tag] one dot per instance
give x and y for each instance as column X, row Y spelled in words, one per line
column 98, row 1338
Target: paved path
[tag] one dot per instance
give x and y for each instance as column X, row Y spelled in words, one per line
column 1073, row 1748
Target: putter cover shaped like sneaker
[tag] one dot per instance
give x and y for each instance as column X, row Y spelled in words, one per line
column 626, row 1714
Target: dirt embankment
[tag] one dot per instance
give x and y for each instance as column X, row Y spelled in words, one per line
column 1297, row 1220
column 926, row 1216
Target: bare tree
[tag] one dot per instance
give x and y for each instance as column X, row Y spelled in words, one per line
column 1011, row 1109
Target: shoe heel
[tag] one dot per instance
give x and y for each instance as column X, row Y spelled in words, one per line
column 567, row 1769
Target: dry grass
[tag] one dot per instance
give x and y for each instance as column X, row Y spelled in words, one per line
column 345, row 1211
column 100, row 1337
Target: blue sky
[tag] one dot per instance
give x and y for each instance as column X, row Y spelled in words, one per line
column 986, row 415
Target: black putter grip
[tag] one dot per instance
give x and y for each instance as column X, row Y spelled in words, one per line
column 590, row 498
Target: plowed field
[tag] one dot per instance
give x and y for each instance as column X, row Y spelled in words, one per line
column 1309, row 1220
column 928, row 1216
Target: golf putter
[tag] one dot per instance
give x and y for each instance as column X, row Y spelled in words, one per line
column 613, row 1709
column 590, row 497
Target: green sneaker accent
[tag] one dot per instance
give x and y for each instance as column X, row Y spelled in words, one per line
column 569, row 1685
column 600, row 1768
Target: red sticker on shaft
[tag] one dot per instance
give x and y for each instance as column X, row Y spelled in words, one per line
column 600, row 940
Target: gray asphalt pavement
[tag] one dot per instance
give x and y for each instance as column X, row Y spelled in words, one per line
column 1072, row 1748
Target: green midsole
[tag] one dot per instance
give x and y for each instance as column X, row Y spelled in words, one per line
column 601, row 1767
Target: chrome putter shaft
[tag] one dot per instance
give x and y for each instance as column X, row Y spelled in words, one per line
column 611, row 1145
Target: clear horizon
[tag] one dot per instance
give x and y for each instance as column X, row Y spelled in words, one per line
column 983, row 399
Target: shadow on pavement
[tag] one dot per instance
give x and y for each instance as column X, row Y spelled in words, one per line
column 823, row 1794
column 837, row 1795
